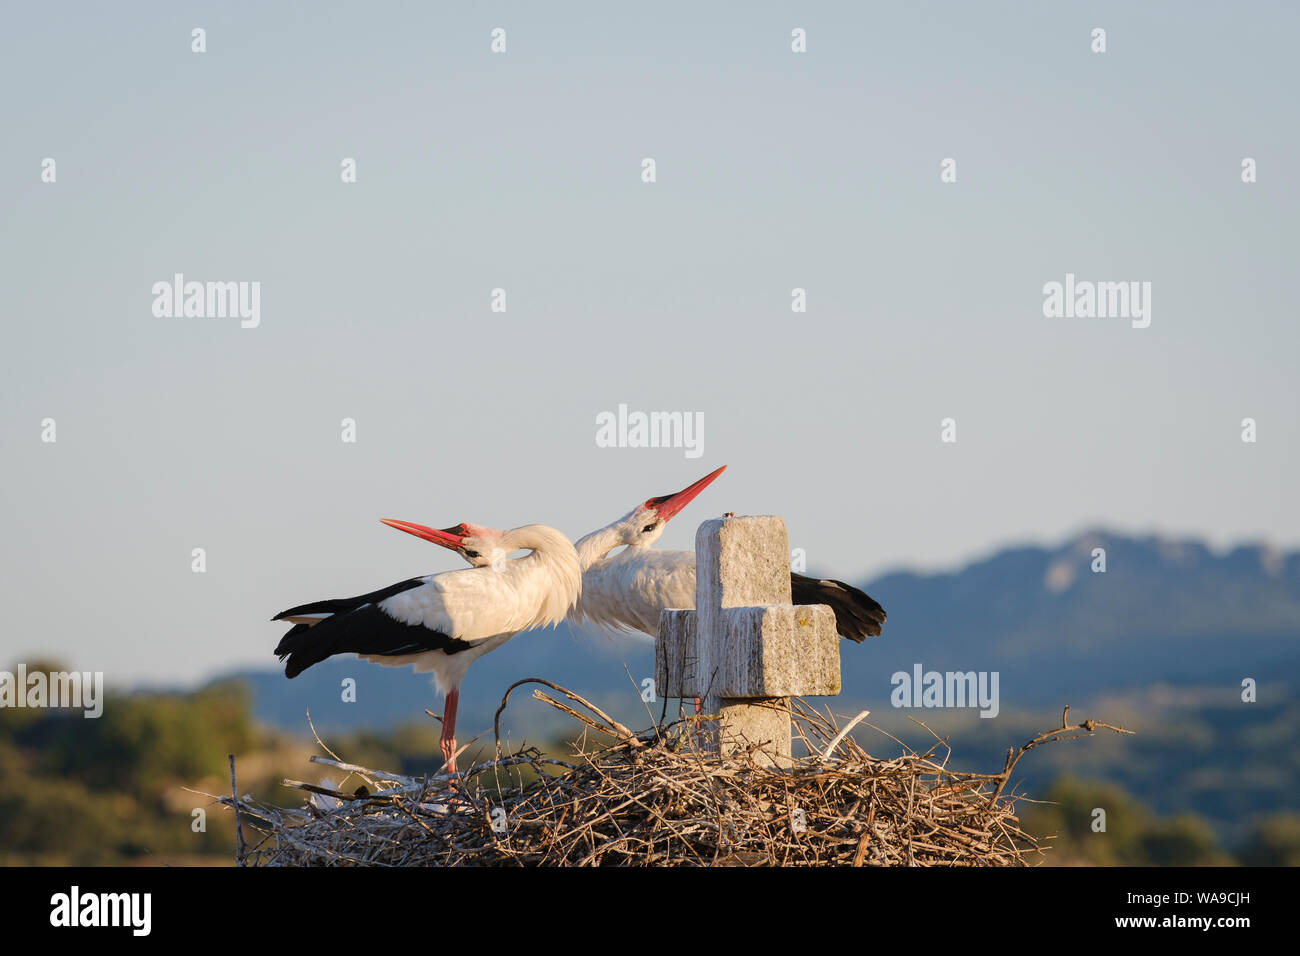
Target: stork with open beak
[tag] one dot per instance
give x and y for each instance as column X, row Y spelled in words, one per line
column 627, row 590
column 444, row 622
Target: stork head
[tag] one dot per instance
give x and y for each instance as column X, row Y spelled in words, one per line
column 476, row 544
column 643, row 525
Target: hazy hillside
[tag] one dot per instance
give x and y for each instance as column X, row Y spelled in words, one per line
column 1164, row 611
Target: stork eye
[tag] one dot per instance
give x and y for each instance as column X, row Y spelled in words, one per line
column 650, row 527
column 470, row 554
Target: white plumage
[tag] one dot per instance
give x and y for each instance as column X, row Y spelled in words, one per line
column 442, row 623
column 626, row 591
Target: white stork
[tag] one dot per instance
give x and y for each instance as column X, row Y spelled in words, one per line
column 444, row 622
column 627, row 590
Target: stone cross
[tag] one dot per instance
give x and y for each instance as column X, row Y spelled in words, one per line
column 746, row 650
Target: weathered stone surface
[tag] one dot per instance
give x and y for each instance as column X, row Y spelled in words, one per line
column 778, row 651
column 772, row 651
column 757, row 565
column 746, row 649
column 763, row 722
column 676, row 655
column 739, row 562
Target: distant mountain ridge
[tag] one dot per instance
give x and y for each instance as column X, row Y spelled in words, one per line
column 1165, row 611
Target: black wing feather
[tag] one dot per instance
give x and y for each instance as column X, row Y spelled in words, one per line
column 357, row 626
column 339, row 605
column 857, row 615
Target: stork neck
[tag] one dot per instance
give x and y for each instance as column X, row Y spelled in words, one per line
column 591, row 548
column 551, row 554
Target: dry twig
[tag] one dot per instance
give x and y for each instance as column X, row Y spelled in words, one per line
column 657, row 798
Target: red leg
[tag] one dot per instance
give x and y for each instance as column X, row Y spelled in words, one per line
column 448, row 741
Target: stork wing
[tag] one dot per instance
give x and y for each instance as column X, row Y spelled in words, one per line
column 857, row 615
column 627, row 591
column 403, row 618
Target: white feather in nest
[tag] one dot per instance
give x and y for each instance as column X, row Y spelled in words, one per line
column 322, row 801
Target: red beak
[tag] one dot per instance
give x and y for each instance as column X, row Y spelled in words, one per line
column 669, row 505
column 448, row 538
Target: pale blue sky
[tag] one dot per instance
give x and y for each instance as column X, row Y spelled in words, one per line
column 521, row 171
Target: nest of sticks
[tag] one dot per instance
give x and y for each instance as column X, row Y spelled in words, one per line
column 658, row 798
